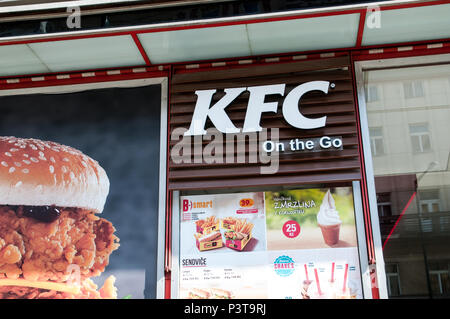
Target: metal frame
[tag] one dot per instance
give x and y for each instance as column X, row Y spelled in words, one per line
column 132, row 5
column 163, row 81
column 134, row 31
column 360, row 68
column 370, row 180
column 160, row 275
column 175, row 267
column 362, row 243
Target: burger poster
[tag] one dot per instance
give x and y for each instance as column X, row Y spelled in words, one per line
column 40, row 243
column 302, row 244
column 78, row 199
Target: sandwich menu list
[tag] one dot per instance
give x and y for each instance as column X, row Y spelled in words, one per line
column 289, row 244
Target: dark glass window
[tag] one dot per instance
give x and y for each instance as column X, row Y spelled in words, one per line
column 412, row 178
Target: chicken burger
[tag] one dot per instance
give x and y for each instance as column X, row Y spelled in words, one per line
column 51, row 239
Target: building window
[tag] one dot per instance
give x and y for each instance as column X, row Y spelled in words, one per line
column 413, row 89
column 429, row 201
column 439, row 278
column 384, row 205
column 376, row 141
column 420, row 137
column 372, row 94
column 393, row 280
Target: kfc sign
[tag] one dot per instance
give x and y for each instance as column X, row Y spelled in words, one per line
column 256, row 106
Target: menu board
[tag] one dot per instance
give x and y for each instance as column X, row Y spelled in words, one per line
column 289, row 244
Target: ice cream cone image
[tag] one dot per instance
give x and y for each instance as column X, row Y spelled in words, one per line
column 328, row 220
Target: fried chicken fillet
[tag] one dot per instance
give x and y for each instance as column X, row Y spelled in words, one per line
column 51, row 240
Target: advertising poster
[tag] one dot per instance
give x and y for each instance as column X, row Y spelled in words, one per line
column 223, row 246
column 291, row 244
column 78, row 197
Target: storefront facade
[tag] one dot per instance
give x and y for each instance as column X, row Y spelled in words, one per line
column 267, row 139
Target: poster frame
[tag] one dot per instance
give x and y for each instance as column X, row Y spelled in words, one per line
column 360, row 233
column 163, row 81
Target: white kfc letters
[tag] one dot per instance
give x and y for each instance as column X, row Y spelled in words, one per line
column 256, row 106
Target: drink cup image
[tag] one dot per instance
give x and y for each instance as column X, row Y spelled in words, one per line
column 328, row 220
column 305, row 287
column 352, row 291
column 330, row 233
column 331, row 289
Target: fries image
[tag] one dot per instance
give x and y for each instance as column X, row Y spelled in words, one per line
column 207, row 225
column 239, row 234
column 227, row 222
column 242, row 226
column 207, row 222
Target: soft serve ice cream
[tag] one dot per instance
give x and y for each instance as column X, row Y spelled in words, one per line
column 328, row 220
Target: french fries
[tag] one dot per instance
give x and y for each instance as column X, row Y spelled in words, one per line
column 207, row 222
column 207, row 225
column 229, row 220
column 242, row 226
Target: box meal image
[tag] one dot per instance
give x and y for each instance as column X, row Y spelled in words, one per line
column 207, row 225
column 227, row 222
column 209, row 241
column 238, row 235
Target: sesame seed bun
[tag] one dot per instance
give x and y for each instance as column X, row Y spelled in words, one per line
column 40, row 173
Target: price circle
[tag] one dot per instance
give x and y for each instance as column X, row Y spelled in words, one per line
column 291, row 229
column 246, row 202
